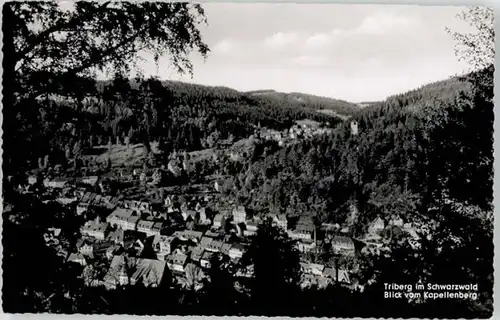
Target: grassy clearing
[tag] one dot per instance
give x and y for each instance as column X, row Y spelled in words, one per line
column 333, row 114
column 122, row 155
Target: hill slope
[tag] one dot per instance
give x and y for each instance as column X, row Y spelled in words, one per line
column 309, row 101
column 293, row 100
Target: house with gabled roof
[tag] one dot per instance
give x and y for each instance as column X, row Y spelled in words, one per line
column 117, row 236
column 214, row 246
column 95, row 229
column 33, row 179
column 82, row 207
column 205, row 241
column 205, row 259
column 101, row 248
column 145, row 226
column 148, row 272
column 163, row 244
column 343, row 245
column 123, row 218
column 196, row 253
column 337, row 275
column 344, row 277
column 218, row 220
column 302, row 231
column 86, row 247
column 376, row 226
column 56, row 183
column 251, row 227
column 281, row 221
column 132, row 271
column 77, row 258
column 308, row 280
column 214, row 234
column 239, row 214
column 305, row 245
column 236, row 252
column 226, row 247
column 186, row 235
column 91, row 180
column 177, row 262
column 396, row 221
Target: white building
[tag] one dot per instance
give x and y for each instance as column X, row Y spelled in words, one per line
column 32, row 179
column 149, row 227
column 236, row 251
column 239, row 214
column 376, row 226
column 280, row 221
column 95, row 229
column 354, row 128
column 302, row 231
column 162, row 245
column 218, row 220
column 177, row 262
column 205, row 259
column 123, row 218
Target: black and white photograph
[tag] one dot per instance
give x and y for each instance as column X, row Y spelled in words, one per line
column 247, row 159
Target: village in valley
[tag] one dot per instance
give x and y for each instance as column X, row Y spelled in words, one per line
column 142, row 224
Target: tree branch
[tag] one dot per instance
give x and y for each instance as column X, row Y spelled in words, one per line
column 57, row 27
column 105, row 56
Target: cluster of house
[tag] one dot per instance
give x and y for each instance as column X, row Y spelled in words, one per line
column 128, row 229
column 304, row 129
column 319, row 275
column 131, row 229
column 307, row 129
column 61, row 182
column 322, row 275
column 51, row 237
column 196, row 247
column 381, row 231
column 87, row 200
column 123, row 240
column 304, row 230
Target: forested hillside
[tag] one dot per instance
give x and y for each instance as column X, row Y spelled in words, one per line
column 308, row 101
column 444, row 91
column 184, row 116
column 398, row 147
column 188, row 116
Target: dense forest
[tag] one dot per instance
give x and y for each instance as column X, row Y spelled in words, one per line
column 399, row 143
column 306, row 100
column 180, row 116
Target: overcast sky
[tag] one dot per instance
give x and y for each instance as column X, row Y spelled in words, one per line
column 351, row 52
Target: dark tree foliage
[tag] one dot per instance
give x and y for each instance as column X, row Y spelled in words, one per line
column 51, row 50
column 276, row 270
column 50, row 284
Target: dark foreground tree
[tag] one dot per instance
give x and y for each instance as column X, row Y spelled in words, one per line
column 276, row 265
column 50, row 48
column 55, row 49
column 478, row 47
